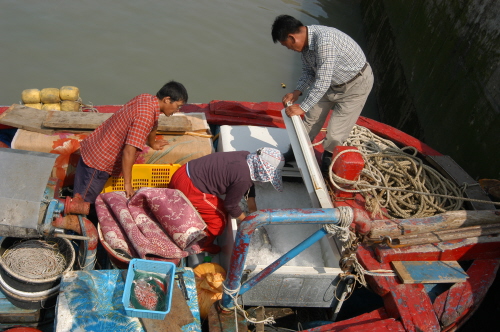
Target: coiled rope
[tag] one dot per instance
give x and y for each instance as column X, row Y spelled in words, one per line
column 397, row 180
column 35, row 259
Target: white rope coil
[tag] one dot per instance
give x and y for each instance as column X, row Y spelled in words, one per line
column 35, row 259
column 397, row 180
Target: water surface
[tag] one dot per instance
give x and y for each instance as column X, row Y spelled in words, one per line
column 114, row 50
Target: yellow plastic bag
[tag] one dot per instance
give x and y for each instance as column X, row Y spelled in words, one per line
column 209, row 278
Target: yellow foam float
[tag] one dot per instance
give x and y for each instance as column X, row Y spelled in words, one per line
column 70, row 106
column 50, row 96
column 67, row 98
column 51, row 107
column 70, row 93
column 30, row 96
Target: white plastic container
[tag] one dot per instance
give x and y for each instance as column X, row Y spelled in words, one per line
column 310, row 279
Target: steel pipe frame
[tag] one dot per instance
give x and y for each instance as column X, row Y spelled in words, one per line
column 271, row 217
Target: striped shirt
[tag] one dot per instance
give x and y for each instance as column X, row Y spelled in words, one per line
column 130, row 125
column 330, row 58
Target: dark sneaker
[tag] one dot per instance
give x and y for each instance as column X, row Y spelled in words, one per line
column 326, row 161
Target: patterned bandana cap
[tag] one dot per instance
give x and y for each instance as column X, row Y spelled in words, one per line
column 265, row 166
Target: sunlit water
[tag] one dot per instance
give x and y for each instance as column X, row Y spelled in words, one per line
column 115, row 49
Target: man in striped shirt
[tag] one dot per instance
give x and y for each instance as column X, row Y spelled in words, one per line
column 112, row 148
column 335, row 70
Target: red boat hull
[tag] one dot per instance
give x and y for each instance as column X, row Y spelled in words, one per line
column 407, row 307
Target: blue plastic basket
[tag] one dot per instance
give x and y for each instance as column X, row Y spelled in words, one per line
column 166, row 268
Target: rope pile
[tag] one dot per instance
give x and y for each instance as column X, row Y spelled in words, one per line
column 397, row 180
column 35, row 259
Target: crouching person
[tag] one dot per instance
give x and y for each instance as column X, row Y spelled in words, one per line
column 232, row 174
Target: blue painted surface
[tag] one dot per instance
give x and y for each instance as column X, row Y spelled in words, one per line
column 92, row 301
column 434, row 272
column 7, row 134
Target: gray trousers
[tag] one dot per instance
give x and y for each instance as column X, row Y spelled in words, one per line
column 347, row 103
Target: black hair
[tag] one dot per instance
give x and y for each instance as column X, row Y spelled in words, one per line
column 175, row 90
column 283, row 26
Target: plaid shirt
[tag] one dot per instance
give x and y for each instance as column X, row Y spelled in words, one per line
column 331, row 58
column 130, row 125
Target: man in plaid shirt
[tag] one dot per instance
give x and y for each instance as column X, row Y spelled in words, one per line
column 335, row 70
column 111, row 149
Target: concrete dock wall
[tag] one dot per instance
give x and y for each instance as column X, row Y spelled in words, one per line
column 437, row 75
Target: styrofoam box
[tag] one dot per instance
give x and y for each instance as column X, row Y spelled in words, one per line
column 166, row 268
column 301, row 282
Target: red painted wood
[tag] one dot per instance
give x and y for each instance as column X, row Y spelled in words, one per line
column 458, row 250
column 266, row 107
column 411, row 304
column 349, row 165
column 376, row 320
column 362, row 220
column 249, row 115
column 383, row 325
column 3, row 109
column 380, row 285
column 396, row 135
column 464, row 298
column 386, row 325
column 408, row 302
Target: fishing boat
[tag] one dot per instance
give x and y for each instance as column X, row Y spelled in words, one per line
column 382, row 263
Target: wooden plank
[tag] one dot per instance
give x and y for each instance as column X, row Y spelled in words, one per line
column 412, row 306
column 179, row 315
column 443, row 221
column 174, row 123
column 413, row 272
column 92, row 120
column 75, row 120
column 382, row 325
column 483, row 247
column 409, row 303
column 22, row 117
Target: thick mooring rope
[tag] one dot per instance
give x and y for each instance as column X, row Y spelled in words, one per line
column 35, row 259
column 396, row 179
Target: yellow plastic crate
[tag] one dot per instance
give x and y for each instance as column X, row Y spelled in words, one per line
column 144, row 175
